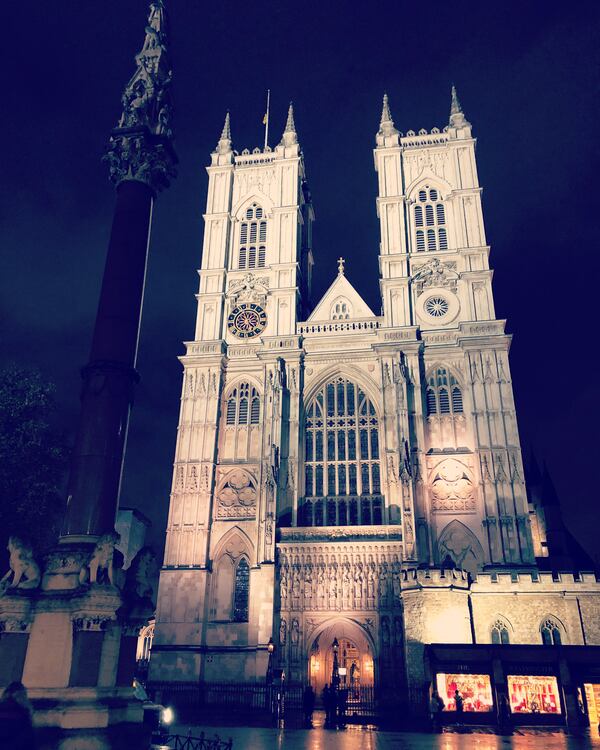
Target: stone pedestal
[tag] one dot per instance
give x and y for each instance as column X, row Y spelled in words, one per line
column 70, row 643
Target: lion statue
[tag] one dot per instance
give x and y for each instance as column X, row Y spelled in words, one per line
column 23, row 571
column 100, row 567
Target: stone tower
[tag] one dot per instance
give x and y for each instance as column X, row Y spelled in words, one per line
column 467, row 475
column 236, row 415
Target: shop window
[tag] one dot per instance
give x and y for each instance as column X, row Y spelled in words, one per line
column 474, row 689
column 533, row 694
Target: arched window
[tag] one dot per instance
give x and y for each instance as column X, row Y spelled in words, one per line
column 252, row 250
column 430, row 221
column 500, row 632
column 243, row 406
column 342, row 462
column 550, row 631
column 241, row 591
column 341, row 309
column 444, row 395
column 144, row 643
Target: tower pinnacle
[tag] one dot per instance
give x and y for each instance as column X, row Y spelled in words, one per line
column 140, row 146
column 224, row 144
column 386, row 126
column 290, row 137
column 457, row 117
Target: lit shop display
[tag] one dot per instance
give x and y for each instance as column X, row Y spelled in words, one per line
column 474, row 689
column 530, row 694
column 592, row 698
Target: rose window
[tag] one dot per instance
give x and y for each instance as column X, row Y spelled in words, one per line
column 437, row 307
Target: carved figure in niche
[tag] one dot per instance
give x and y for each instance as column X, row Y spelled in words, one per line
column 383, row 583
column 23, row 571
column 283, row 588
column 371, row 575
column 237, row 496
column 452, row 488
column 282, row 632
column 321, row 587
column 459, row 544
column 296, row 587
column 385, row 631
column 397, row 631
column 332, row 586
column 269, row 529
column 100, row 567
column 358, row 581
column 295, row 635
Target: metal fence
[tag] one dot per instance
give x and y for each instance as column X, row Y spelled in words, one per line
column 192, row 699
column 179, row 742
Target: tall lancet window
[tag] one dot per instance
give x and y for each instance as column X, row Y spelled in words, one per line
column 444, row 395
column 342, row 470
column 430, row 221
column 243, row 406
column 252, row 251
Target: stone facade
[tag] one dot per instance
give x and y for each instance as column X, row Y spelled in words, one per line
column 330, row 463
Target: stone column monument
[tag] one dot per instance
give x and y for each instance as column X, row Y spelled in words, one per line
column 68, row 626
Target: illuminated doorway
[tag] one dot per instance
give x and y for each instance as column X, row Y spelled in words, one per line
column 356, row 662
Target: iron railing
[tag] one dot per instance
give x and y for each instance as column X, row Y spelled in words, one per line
column 179, row 742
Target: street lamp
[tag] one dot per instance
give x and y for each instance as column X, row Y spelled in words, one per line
column 335, row 672
column 269, row 677
column 270, row 649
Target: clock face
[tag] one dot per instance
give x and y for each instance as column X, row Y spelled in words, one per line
column 247, row 320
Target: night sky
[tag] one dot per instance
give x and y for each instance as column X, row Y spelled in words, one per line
column 527, row 76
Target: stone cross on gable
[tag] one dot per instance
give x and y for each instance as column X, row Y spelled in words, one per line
column 341, row 263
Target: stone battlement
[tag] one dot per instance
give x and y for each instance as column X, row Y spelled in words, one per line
column 533, row 580
column 429, row 577
column 526, row 581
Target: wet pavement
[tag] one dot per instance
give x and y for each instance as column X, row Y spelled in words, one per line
column 355, row 737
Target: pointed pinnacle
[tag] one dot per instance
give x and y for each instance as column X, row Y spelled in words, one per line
column 455, row 107
column 226, row 134
column 290, row 125
column 386, row 115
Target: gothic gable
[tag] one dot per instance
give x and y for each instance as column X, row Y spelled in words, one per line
column 341, row 294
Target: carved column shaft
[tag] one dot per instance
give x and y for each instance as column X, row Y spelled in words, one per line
column 109, row 378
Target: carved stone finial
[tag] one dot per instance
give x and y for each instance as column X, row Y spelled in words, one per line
column 386, row 126
column 341, row 262
column 457, row 117
column 140, row 147
column 224, row 144
column 290, row 137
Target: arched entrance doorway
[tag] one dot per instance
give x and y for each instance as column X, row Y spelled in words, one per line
column 356, row 658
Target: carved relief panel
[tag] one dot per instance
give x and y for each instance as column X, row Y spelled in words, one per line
column 237, row 493
column 452, row 488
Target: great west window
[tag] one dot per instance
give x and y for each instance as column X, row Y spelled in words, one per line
column 342, row 471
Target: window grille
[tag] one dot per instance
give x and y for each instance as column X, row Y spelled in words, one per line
column 243, row 406
column 342, row 458
column 251, row 232
column 443, row 395
column 241, row 591
column 429, row 212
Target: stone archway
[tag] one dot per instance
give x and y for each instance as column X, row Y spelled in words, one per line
column 355, row 655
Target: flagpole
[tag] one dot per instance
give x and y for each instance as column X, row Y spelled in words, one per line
column 267, row 119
